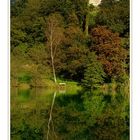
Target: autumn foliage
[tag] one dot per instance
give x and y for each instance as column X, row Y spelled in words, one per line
column 107, row 46
column 64, row 33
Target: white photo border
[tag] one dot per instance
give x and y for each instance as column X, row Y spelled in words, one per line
column 5, row 69
column 135, row 70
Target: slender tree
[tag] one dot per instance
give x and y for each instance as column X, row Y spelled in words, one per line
column 54, row 34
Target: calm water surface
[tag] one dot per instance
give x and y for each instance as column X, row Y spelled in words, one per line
column 76, row 115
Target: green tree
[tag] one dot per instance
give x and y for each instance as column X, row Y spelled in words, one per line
column 75, row 51
column 94, row 73
column 38, row 54
column 18, row 36
column 65, row 7
column 17, row 7
column 27, row 27
column 115, row 15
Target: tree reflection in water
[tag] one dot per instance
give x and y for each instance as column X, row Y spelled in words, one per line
column 80, row 116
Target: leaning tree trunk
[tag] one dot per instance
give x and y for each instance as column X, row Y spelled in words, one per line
column 53, row 68
column 52, row 58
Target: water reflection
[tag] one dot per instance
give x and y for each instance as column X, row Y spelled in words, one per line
column 50, row 116
column 75, row 116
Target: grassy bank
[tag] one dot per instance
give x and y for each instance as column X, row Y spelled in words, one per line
column 46, row 83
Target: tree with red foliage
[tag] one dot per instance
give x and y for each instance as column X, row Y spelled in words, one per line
column 107, row 46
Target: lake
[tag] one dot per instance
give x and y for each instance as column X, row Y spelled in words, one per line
column 77, row 115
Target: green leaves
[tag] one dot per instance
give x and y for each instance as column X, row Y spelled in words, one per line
column 76, row 34
column 115, row 15
column 94, row 73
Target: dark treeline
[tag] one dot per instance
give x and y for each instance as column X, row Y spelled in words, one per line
column 90, row 44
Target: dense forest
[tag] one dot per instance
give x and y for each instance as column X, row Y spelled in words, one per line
column 89, row 44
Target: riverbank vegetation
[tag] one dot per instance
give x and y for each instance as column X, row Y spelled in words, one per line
column 89, row 45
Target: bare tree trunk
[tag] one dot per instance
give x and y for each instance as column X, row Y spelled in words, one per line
column 52, row 58
column 54, row 75
column 54, row 34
